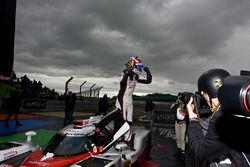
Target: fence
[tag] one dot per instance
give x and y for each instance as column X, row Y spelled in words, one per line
column 159, row 118
column 164, row 116
column 34, row 105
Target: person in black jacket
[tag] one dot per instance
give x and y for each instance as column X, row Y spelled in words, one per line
column 204, row 141
column 13, row 106
column 149, row 106
column 103, row 105
column 70, row 100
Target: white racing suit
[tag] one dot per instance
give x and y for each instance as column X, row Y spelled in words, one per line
column 124, row 100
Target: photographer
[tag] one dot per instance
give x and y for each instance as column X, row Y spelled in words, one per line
column 180, row 125
column 206, row 145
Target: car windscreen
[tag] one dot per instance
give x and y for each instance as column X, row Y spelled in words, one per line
column 4, row 146
column 62, row 145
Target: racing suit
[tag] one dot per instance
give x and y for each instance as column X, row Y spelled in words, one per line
column 124, row 101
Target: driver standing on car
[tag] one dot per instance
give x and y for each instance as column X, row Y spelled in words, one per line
column 128, row 80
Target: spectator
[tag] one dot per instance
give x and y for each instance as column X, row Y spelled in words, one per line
column 13, row 106
column 13, row 77
column 149, row 109
column 149, row 106
column 103, row 105
column 69, row 100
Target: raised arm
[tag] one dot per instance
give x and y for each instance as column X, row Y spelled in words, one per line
column 148, row 79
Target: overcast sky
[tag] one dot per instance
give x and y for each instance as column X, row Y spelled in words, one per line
column 93, row 39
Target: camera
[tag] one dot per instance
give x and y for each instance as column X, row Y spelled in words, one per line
column 201, row 107
column 185, row 97
column 234, row 95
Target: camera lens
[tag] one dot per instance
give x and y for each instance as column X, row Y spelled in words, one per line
column 246, row 98
column 234, row 95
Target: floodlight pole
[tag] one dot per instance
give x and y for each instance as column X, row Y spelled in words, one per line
column 81, row 89
column 95, row 94
column 90, row 90
column 99, row 90
column 66, row 84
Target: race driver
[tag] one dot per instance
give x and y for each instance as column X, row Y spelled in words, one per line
column 128, row 80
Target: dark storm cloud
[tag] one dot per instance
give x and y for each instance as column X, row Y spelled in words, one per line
column 95, row 38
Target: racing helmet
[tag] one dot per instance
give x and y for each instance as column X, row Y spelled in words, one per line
column 136, row 64
column 211, row 81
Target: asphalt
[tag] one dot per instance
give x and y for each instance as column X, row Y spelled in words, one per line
column 163, row 148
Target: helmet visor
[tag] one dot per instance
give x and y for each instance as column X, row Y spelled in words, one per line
column 139, row 66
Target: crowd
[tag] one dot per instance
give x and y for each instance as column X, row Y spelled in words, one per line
column 27, row 89
column 35, row 89
column 31, row 88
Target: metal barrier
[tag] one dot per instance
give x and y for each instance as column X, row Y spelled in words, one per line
column 27, row 104
column 159, row 118
column 164, row 116
column 34, row 104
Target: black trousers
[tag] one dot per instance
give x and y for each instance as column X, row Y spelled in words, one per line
column 10, row 113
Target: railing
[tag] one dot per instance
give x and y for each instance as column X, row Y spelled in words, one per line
column 164, row 116
column 34, row 104
column 159, row 118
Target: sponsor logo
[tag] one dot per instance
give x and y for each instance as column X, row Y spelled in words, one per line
column 10, row 154
column 71, row 132
column 38, row 163
column 217, row 83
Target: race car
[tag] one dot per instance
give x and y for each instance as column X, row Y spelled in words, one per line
column 18, row 150
column 120, row 154
column 90, row 140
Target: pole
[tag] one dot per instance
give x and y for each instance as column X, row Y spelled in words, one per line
column 99, row 91
column 66, row 84
column 90, row 90
column 81, row 89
